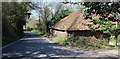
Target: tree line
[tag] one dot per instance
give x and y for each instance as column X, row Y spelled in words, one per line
column 13, row 19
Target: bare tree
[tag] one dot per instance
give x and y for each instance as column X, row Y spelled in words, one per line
column 45, row 11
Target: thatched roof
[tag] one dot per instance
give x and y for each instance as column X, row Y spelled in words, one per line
column 74, row 21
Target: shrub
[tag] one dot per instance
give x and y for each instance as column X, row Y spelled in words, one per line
column 7, row 40
column 81, row 42
column 65, row 42
column 112, row 41
column 28, row 28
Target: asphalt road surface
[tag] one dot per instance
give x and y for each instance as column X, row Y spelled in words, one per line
column 34, row 45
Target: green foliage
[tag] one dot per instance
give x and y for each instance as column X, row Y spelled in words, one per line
column 98, row 46
column 44, row 20
column 45, row 14
column 81, row 42
column 112, row 41
column 32, row 22
column 36, row 31
column 28, row 28
column 44, row 26
column 103, row 9
column 6, row 40
column 13, row 15
column 118, row 37
column 119, row 26
column 105, row 26
column 13, row 18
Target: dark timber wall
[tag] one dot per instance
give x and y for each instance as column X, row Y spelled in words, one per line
column 86, row 33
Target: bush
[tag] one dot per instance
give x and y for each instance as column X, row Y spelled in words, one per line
column 81, row 42
column 7, row 40
column 97, row 46
column 112, row 41
column 28, row 28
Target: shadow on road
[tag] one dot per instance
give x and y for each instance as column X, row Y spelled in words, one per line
column 35, row 46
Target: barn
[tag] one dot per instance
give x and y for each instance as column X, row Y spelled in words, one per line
column 75, row 24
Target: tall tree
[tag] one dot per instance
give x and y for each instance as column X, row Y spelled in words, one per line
column 46, row 12
column 108, row 12
column 32, row 22
column 13, row 17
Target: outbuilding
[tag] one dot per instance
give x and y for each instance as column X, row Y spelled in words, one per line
column 75, row 24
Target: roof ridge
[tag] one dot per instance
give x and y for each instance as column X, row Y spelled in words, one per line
column 74, row 22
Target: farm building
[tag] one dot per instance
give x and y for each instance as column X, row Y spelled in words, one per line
column 75, row 23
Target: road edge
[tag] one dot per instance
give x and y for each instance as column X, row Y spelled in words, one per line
column 12, row 43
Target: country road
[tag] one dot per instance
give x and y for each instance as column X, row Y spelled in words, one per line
column 34, row 45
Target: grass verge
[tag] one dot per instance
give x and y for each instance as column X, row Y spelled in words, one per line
column 59, row 39
column 81, row 42
column 6, row 41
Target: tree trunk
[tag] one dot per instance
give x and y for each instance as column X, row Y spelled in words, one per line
column 116, row 42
